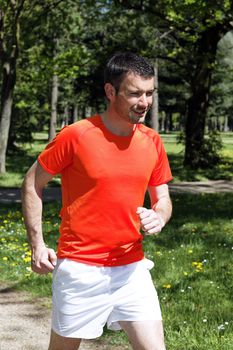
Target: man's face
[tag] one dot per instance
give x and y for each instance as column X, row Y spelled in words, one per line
column 134, row 98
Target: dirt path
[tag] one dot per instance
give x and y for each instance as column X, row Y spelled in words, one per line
column 217, row 186
column 9, row 195
column 25, row 323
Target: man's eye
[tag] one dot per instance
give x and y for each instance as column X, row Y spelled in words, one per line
column 150, row 93
column 137, row 94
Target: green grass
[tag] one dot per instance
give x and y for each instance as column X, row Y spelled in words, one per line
column 192, row 273
column 18, row 163
column 193, row 270
column 223, row 171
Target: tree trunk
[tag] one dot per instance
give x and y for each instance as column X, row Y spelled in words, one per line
column 198, row 102
column 8, row 54
column 75, row 113
column 54, row 100
column 225, row 127
column 8, row 84
column 154, row 112
column 65, row 119
column 168, row 121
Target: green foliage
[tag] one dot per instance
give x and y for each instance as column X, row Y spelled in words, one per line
column 73, row 39
column 222, row 170
column 222, row 85
column 210, row 154
column 19, row 162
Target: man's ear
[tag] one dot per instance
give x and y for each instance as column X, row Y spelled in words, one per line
column 110, row 91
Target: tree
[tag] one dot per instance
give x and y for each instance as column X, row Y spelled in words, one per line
column 13, row 15
column 221, row 103
column 196, row 28
column 10, row 12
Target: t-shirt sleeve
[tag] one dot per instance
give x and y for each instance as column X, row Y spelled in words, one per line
column 59, row 153
column 161, row 173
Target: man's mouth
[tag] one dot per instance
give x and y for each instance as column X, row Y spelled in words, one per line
column 140, row 113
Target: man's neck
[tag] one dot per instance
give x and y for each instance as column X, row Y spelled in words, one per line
column 116, row 125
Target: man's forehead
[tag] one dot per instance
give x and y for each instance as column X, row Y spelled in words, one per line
column 136, row 81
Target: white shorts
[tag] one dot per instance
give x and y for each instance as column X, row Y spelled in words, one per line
column 86, row 297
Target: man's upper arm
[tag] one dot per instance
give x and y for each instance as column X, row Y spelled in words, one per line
column 36, row 178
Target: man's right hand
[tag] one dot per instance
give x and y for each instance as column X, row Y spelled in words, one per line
column 43, row 260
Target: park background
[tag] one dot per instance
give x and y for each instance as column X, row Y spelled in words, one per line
column 52, row 55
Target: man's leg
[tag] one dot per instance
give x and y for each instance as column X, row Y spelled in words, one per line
column 62, row 343
column 144, row 335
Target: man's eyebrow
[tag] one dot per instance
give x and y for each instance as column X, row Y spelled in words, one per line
column 138, row 90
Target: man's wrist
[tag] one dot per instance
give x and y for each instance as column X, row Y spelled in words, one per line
column 160, row 218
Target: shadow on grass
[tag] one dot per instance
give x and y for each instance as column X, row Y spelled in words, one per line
column 223, row 171
column 18, row 163
column 205, row 217
column 204, row 206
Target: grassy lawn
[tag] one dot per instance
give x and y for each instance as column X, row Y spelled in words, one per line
column 18, row 164
column 193, row 273
column 192, row 255
column 223, row 171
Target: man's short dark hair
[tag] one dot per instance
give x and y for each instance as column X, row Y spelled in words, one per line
column 126, row 62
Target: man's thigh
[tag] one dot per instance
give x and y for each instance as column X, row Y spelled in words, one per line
column 81, row 304
column 144, row 335
column 62, row 343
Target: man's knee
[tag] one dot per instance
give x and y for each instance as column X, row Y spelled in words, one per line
column 145, row 335
column 58, row 342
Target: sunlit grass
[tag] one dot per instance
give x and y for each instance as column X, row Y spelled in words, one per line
column 193, row 270
column 15, row 254
column 17, row 164
column 175, row 151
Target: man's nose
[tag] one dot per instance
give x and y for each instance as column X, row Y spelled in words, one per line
column 143, row 101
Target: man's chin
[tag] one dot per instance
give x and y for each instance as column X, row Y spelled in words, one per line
column 137, row 119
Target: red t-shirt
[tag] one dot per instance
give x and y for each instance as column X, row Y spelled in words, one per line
column 104, row 180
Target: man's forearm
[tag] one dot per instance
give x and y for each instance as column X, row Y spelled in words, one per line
column 43, row 258
column 32, row 213
column 164, row 208
column 160, row 201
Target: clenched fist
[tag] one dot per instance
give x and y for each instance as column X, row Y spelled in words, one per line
column 151, row 221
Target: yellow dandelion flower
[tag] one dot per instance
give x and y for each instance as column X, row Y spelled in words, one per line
column 27, row 259
column 198, row 266
column 167, row 286
column 5, row 258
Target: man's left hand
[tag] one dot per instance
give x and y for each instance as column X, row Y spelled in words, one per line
column 151, row 221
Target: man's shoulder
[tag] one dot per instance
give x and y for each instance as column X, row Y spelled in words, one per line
column 81, row 126
column 149, row 132
column 86, row 123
